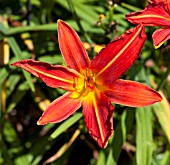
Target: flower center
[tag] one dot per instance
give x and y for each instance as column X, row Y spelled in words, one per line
column 89, row 80
column 84, row 85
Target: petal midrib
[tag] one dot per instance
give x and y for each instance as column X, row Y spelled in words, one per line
column 150, row 15
column 138, row 96
column 54, row 77
column 76, row 63
column 98, row 118
column 115, row 58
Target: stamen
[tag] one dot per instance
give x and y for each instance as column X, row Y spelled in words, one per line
column 84, row 86
column 89, row 79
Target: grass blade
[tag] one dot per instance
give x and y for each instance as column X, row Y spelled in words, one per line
column 18, row 53
column 163, row 115
column 66, row 124
column 121, row 131
column 144, row 139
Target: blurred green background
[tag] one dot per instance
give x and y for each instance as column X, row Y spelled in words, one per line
column 28, row 29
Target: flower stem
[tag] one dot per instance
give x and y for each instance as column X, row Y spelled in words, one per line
column 164, row 78
column 111, row 13
column 129, row 7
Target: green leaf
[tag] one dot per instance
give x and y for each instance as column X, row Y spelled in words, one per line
column 18, row 95
column 55, row 59
column 66, row 124
column 33, row 2
column 166, row 158
column 110, row 159
column 121, row 9
column 9, row 132
column 81, row 8
column 120, row 133
column 0, row 99
column 18, row 53
column 144, row 139
column 5, row 157
column 11, row 84
column 163, row 116
column 3, row 74
column 43, row 27
column 23, row 160
column 101, row 158
column 130, row 7
column 3, row 29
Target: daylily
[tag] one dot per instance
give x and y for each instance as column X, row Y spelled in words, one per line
column 93, row 84
column 157, row 13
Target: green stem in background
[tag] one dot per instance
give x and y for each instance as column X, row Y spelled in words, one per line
column 111, row 13
column 17, row 52
column 130, row 7
column 87, row 38
column 121, row 131
column 164, row 78
column 4, row 152
column 0, row 100
column 3, row 96
column 111, row 20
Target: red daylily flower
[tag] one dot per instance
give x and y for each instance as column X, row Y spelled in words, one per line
column 93, row 84
column 157, row 13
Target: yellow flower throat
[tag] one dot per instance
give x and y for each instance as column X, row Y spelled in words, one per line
column 85, row 84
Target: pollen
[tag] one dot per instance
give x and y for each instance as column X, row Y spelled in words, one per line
column 84, row 85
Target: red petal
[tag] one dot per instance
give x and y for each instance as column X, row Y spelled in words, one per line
column 152, row 15
column 160, row 36
column 166, row 3
column 156, row 1
column 118, row 56
column 97, row 112
column 60, row 109
column 53, row 76
column 153, row 1
column 72, row 48
column 132, row 93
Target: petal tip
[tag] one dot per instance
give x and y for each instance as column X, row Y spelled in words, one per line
column 59, row 20
column 21, row 62
column 142, row 29
column 39, row 122
column 104, row 145
column 159, row 97
column 14, row 64
column 157, row 46
column 100, row 142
